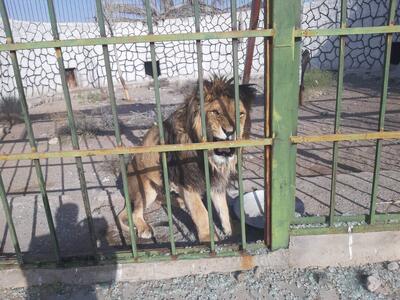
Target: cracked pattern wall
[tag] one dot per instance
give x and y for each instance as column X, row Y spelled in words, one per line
column 362, row 51
column 39, row 68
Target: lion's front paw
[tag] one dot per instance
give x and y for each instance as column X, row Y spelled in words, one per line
column 145, row 233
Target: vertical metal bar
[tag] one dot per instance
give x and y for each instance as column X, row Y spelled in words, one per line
column 29, row 130
column 267, row 124
column 203, row 124
column 160, row 126
column 71, row 124
column 110, row 84
column 285, row 92
column 10, row 223
column 382, row 111
column 239, row 151
column 254, row 17
column 338, row 111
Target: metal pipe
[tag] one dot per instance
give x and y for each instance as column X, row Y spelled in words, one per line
column 10, row 223
column 203, row 125
column 235, row 45
column 137, row 149
column 382, row 111
column 111, row 93
column 29, row 130
column 338, row 111
column 155, row 38
column 267, row 125
column 345, row 137
column 71, row 124
column 160, row 125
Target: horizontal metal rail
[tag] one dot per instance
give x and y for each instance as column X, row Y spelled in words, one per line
column 137, row 149
column 159, row 38
column 384, row 135
column 346, row 31
column 350, row 218
column 151, row 38
column 344, row 229
column 155, row 255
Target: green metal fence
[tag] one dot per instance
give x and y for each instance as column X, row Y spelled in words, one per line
column 282, row 44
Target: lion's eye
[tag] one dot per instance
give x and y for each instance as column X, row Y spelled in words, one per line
column 216, row 112
column 242, row 114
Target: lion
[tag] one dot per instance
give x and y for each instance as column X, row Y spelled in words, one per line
column 186, row 168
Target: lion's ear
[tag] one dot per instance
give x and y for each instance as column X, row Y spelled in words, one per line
column 208, row 89
column 247, row 93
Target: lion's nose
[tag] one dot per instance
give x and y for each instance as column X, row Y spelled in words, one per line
column 228, row 133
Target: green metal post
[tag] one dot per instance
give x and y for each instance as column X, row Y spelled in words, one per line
column 71, row 124
column 111, row 93
column 10, row 223
column 160, row 127
column 338, row 110
column 203, row 124
column 382, row 111
column 235, row 45
column 285, row 92
column 29, row 130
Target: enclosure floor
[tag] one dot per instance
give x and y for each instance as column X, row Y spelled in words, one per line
column 355, row 169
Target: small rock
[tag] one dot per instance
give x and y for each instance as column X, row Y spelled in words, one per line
column 53, row 141
column 393, row 266
column 373, row 283
column 240, row 276
column 321, row 278
column 106, row 179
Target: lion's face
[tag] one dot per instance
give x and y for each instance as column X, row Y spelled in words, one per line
column 221, row 116
column 221, row 126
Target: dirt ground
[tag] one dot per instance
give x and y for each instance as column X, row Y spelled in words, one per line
column 93, row 114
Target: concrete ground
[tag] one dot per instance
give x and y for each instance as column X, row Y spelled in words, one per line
column 356, row 160
column 366, row 268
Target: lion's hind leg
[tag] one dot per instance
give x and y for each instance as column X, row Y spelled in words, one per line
column 142, row 192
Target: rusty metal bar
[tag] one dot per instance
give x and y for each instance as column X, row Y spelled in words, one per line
column 254, row 17
column 267, row 125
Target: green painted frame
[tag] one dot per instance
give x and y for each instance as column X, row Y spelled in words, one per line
column 281, row 84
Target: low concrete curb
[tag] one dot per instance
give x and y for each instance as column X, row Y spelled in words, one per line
column 304, row 251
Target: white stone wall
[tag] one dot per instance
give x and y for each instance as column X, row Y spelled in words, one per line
column 362, row 51
column 179, row 59
column 39, row 68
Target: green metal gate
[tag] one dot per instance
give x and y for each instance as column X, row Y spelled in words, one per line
column 282, row 38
